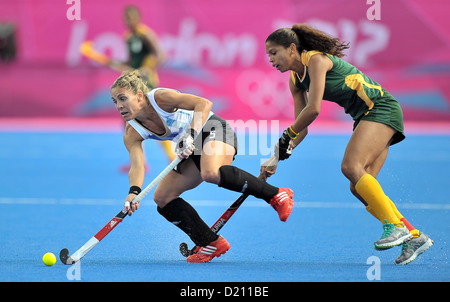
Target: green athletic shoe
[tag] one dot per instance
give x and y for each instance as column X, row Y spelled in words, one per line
column 413, row 248
column 392, row 236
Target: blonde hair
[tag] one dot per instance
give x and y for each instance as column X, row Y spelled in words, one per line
column 132, row 81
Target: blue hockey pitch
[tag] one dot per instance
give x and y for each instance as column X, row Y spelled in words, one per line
column 59, row 189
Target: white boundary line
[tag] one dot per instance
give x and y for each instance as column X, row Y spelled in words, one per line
column 215, row 203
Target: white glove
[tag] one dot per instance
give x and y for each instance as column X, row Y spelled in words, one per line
column 185, row 145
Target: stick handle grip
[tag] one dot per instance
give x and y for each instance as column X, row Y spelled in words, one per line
column 272, row 163
column 157, row 179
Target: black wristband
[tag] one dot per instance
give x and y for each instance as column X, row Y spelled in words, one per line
column 134, row 190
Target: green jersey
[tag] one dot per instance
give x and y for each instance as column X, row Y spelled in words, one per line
column 142, row 54
column 139, row 51
column 345, row 85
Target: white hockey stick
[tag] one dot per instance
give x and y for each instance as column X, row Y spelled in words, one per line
column 82, row 251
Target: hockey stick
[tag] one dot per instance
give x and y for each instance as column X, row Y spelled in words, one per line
column 184, row 249
column 91, row 243
column 88, row 51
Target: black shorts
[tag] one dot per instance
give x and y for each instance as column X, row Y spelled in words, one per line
column 216, row 128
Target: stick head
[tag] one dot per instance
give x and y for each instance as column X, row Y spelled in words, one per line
column 185, row 251
column 88, row 50
column 64, row 257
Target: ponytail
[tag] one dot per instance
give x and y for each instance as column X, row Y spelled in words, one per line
column 307, row 38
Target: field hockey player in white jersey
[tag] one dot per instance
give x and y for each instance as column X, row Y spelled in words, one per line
column 207, row 145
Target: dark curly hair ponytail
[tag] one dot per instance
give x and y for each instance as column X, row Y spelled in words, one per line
column 308, row 38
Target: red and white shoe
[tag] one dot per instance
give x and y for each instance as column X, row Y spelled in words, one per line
column 283, row 203
column 207, row 253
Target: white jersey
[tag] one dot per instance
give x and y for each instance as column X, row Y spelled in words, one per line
column 175, row 123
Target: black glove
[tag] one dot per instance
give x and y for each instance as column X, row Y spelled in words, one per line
column 284, row 147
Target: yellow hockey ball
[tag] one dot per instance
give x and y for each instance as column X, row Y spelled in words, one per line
column 49, row 259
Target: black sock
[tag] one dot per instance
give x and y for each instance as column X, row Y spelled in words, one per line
column 235, row 179
column 185, row 217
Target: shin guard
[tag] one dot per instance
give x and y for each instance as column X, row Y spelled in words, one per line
column 186, row 218
column 235, row 179
column 369, row 189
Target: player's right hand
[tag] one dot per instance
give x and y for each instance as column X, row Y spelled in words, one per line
column 268, row 168
column 185, row 145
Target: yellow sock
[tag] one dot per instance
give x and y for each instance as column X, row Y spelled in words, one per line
column 369, row 189
column 411, row 229
column 415, row 232
column 394, row 208
column 372, row 212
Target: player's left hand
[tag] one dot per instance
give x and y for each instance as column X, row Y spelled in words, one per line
column 130, row 206
column 285, row 145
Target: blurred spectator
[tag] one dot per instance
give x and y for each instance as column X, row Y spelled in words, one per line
column 7, row 42
column 145, row 52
